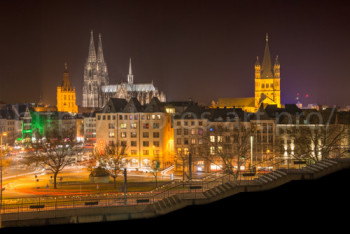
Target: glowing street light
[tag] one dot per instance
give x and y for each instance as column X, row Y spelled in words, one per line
column 251, row 152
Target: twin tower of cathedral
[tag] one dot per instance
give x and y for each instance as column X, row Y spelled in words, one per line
column 97, row 90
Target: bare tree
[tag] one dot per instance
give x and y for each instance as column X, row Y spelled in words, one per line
column 53, row 152
column 113, row 159
column 318, row 142
column 227, row 147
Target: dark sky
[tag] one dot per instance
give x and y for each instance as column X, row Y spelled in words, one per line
column 190, row 49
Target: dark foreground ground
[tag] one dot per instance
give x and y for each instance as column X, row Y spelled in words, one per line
column 299, row 206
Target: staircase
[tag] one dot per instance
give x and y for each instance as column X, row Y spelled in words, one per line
column 219, row 190
column 167, row 170
column 167, row 205
column 321, row 168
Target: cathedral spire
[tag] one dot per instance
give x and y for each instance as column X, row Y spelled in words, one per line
column 100, row 57
column 92, row 51
column 266, row 64
column 130, row 75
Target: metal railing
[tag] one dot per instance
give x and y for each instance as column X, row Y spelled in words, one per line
column 192, row 189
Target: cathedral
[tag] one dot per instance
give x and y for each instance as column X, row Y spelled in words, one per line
column 97, row 90
column 66, row 95
column 267, row 86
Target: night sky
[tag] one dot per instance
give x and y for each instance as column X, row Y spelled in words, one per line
column 190, row 49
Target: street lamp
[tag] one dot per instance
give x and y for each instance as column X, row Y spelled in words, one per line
column 251, row 152
column 2, row 134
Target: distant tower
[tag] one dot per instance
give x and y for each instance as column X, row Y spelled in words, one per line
column 27, row 130
column 95, row 75
column 130, row 75
column 267, row 81
column 66, row 95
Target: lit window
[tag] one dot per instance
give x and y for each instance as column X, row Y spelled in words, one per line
column 212, row 150
column 123, row 126
column 219, row 149
column 212, row 138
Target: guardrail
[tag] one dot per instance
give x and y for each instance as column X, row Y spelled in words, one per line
column 39, row 204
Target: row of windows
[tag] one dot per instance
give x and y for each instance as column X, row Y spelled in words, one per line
column 221, row 139
column 189, row 123
column 186, row 131
column 68, row 97
column 134, row 134
column 144, row 143
column 144, row 152
column 129, row 117
column 134, row 126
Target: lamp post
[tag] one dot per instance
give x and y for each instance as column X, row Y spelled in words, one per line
column 251, row 152
column 2, row 134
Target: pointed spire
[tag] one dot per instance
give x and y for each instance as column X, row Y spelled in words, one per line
column 66, row 85
column 266, row 64
column 100, row 57
column 257, row 63
column 130, row 75
column 277, row 62
column 92, row 51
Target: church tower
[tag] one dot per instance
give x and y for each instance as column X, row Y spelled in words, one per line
column 130, row 75
column 66, row 94
column 267, row 81
column 95, row 75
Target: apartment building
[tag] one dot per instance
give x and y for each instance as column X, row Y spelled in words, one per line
column 145, row 131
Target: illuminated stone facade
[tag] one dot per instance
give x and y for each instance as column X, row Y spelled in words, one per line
column 267, row 81
column 97, row 91
column 267, row 86
column 66, row 95
column 95, row 75
column 145, row 130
